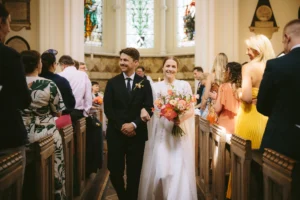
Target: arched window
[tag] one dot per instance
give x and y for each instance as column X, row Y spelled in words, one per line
column 93, row 22
column 140, row 23
column 186, row 10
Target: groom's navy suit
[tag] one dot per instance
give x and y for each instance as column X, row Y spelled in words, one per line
column 121, row 106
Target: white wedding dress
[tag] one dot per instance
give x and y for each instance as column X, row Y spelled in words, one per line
column 168, row 171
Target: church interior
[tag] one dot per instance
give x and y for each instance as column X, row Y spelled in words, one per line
column 195, row 31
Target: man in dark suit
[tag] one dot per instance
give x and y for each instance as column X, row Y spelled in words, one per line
column 198, row 75
column 279, row 96
column 14, row 93
column 125, row 96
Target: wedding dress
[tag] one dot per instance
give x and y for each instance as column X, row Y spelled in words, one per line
column 168, row 171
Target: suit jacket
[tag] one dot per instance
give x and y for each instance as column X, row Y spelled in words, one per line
column 200, row 92
column 121, row 107
column 14, row 96
column 279, row 99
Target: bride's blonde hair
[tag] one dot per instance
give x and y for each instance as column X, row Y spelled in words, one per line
column 263, row 46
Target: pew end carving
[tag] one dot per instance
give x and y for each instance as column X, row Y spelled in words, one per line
column 277, row 172
column 240, row 165
column 11, row 170
column 68, row 147
column 80, row 151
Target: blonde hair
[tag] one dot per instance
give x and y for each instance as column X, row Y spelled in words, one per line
column 204, row 76
column 219, row 67
column 263, row 46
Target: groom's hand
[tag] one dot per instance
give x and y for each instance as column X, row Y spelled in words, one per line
column 127, row 129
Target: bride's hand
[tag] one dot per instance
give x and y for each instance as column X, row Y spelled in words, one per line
column 177, row 121
column 144, row 115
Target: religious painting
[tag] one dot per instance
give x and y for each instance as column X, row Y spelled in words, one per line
column 140, row 23
column 93, row 22
column 186, row 10
column 20, row 13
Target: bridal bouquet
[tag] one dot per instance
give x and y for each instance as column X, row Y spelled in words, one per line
column 172, row 105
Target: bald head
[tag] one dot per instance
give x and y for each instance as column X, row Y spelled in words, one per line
column 291, row 35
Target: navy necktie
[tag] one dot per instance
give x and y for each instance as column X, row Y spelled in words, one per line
column 128, row 86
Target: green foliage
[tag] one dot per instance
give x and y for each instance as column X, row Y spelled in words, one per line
column 140, row 15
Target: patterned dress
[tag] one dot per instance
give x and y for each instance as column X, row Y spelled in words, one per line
column 39, row 122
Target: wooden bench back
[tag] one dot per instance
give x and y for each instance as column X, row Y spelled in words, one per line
column 11, row 170
column 80, row 151
column 218, row 161
column 68, row 147
column 203, row 181
column 197, row 145
column 241, row 167
column 277, row 172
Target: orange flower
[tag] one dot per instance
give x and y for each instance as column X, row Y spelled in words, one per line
column 170, row 92
column 168, row 112
column 98, row 100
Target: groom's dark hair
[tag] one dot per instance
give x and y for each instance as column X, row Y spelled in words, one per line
column 132, row 52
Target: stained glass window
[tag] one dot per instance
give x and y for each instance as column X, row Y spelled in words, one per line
column 186, row 23
column 140, row 23
column 93, row 22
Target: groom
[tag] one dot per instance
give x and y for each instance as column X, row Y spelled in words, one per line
column 125, row 95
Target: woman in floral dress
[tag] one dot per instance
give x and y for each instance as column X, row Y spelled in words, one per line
column 39, row 117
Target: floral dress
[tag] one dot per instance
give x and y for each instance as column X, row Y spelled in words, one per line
column 39, row 122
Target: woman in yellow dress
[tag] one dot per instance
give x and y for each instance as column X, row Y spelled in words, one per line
column 250, row 123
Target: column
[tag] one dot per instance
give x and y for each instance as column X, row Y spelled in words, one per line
column 117, row 9
column 67, row 27
column 163, row 9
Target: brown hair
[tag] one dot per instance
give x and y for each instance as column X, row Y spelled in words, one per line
column 30, row 60
column 235, row 73
column 170, row 58
column 132, row 52
column 66, row 60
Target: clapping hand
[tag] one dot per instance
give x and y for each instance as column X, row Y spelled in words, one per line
column 213, row 95
column 145, row 115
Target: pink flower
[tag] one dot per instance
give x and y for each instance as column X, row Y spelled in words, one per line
column 170, row 92
column 181, row 105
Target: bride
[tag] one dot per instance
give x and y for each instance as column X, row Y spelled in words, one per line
column 168, row 171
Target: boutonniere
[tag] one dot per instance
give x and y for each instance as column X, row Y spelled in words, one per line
column 139, row 85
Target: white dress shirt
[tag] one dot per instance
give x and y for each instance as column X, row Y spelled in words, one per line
column 131, row 82
column 81, row 87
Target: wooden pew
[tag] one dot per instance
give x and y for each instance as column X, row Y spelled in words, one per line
column 197, row 145
column 204, row 161
column 240, row 165
column 218, row 162
column 80, row 151
column 39, row 172
column 68, row 147
column 11, row 170
column 277, row 172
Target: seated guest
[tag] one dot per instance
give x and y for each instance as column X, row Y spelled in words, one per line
column 14, row 94
column 140, row 70
column 227, row 103
column 48, row 70
column 39, row 117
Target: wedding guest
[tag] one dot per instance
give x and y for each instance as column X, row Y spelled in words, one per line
column 213, row 81
column 227, row 103
column 76, row 64
column 81, row 87
column 14, row 94
column 140, row 70
column 39, row 116
column 48, row 72
column 126, row 131
column 198, row 74
column 259, row 50
column 279, row 96
column 82, row 67
column 95, row 89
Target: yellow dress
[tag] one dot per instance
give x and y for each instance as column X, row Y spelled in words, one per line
column 250, row 125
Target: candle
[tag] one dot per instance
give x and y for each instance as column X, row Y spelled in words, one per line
column 158, row 79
